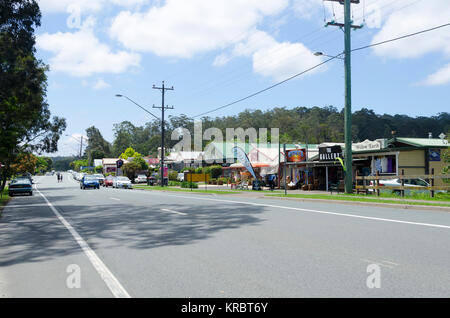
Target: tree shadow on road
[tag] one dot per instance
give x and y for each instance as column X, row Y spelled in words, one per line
column 40, row 236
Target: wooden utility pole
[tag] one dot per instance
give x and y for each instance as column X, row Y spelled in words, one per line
column 347, row 25
column 163, row 91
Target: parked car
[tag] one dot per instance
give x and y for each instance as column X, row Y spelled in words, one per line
column 100, row 177
column 142, row 178
column 89, row 181
column 108, row 181
column 122, row 182
column 411, row 185
column 20, row 186
column 180, row 177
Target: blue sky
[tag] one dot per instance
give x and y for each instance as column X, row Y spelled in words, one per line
column 216, row 51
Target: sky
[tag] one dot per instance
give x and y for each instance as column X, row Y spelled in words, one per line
column 214, row 52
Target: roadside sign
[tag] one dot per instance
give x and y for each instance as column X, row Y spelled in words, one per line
column 119, row 163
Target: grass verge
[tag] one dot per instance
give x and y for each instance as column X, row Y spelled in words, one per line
column 185, row 190
column 4, row 199
column 353, row 198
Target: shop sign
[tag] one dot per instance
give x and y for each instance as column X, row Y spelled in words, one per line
column 296, row 155
column 330, row 153
column 366, row 145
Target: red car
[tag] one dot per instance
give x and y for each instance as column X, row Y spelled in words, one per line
column 108, row 181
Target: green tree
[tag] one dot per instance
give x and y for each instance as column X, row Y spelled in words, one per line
column 130, row 169
column 25, row 121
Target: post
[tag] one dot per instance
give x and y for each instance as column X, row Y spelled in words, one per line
column 432, row 182
column 81, row 147
column 163, row 91
column 403, row 183
column 348, row 100
column 378, row 183
column 206, row 184
column 284, row 173
column 326, row 174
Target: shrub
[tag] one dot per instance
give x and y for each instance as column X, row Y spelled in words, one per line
column 199, row 170
column 174, row 183
column 216, row 171
column 186, row 184
column 173, row 175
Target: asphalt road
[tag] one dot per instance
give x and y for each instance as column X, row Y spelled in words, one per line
column 133, row 243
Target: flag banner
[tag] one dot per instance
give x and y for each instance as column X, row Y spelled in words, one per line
column 242, row 158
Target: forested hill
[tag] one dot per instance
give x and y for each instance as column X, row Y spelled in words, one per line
column 299, row 124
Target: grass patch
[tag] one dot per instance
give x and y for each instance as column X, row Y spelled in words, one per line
column 158, row 188
column 354, row 198
column 4, row 199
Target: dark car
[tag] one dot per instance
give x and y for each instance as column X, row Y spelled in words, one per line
column 89, row 182
column 20, row 186
column 108, row 181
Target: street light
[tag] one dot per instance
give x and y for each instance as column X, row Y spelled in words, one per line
column 119, row 95
column 322, row 54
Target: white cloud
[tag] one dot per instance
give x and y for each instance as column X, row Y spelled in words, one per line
column 270, row 58
column 100, row 84
column 54, row 6
column 419, row 17
column 439, row 78
column 414, row 19
column 181, row 28
column 82, row 54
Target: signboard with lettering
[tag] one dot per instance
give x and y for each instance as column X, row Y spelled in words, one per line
column 296, row 155
column 434, row 154
column 330, row 153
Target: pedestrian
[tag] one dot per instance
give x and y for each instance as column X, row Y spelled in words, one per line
column 272, row 182
column 61, row 177
column 57, row 176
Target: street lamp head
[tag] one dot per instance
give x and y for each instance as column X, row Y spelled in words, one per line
column 318, row 53
column 118, row 95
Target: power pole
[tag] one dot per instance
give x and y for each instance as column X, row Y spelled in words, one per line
column 81, row 147
column 163, row 91
column 347, row 25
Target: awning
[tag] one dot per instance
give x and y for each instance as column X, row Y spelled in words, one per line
column 254, row 165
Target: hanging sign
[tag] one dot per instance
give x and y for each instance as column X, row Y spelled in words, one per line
column 330, row 153
column 296, row 155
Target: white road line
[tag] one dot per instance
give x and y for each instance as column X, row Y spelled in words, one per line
column 172, row 211
column 312, row 211
column 115, row 199
column 110, row 280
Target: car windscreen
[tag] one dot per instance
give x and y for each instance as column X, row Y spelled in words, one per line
column 123, row 179
column 90, row 178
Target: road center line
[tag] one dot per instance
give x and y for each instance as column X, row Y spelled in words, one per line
column 311, row 211
column 115, row 199
column 172, row 211
column 110, row 280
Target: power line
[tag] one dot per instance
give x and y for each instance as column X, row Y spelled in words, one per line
column 320, row 64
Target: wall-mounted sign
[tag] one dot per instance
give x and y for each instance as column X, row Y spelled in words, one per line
column 296, row 155
column 366, row 145
column 330, row 153
column 434, row 154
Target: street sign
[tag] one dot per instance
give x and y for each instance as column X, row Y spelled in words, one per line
column 119, row 163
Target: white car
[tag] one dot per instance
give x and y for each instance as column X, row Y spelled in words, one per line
column 142, row 178
column 180, row 177
column 122, row 182
column 412, row 185
column 100, row 178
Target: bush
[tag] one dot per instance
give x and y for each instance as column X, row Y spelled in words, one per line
column 216, row 171
column 174, row 183
column 188, row 169
column 173, row 175
column 186, row 184
column 199, row 170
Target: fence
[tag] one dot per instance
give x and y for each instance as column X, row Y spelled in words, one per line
column 401, row 188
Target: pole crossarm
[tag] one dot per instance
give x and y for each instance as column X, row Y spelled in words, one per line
column 341, row 25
